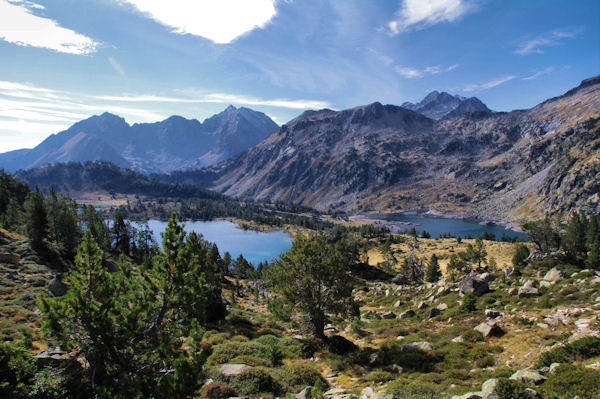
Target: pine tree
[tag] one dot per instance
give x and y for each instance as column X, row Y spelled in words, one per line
column 433, row 272
column 36, row 219
column 477, row 253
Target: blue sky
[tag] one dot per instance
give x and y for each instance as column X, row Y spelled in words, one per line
column 64, row 60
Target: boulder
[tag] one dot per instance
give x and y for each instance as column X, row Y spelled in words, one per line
column 305, row 393
column 528, row 377
column 489, row 330
column 367, row 392
column 388, row 315
column 555, row 274
column 528, row 290
column 513, row 292
column 57, row 287
column 434, row 312
column 421, row 305
column 487, row 277
column 398, row 303
column 488, row 389
column 492, row 314
column 442, row 306
column 407, row 314
column 473, row 284
column 230, row 370
column 400, row 279
column 417, row 346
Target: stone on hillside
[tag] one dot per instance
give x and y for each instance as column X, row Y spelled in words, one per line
column 400, row 279
column 458, row 339
column 595, row 280
column 366, row 393
column 528, row 377
column 528, row 290
column 417, row 346
column 407, row 314
column 555, row 274
column 513, row 292
column 531, row 393
column 388, row 315
column 492, row 314
column 398, row 303
column 489, row 330
column 546, row 283
column 434, row 312
column 421, row 305
column 233, row 370
column 442, row 306
column 57, row 287
column 473, row 284
column 553, row 367
column 488, row 389
column 306, row 393
column 338, row 393
column 487, row 277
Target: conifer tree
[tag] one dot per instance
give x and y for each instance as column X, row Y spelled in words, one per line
column 433, row 272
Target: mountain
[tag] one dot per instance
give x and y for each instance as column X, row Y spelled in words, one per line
column 172, row 144
column 517, row 164
column 442, row 105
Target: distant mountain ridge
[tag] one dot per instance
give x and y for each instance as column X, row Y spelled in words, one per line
column 172, row 144
column 383, row 157
column 443, row 105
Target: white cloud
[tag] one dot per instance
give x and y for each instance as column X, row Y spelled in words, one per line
column 116, row 65
column 418, row 14
column 412, row 73
column 490, row 84
column 537, row 74
column 552, row 38
column 221, row 98
column 221, row 21
column 408, row 72
column 18, row 25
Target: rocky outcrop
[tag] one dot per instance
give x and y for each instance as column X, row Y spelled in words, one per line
column 475, row 285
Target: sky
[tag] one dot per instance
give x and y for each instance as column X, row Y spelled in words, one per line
column 64, row 60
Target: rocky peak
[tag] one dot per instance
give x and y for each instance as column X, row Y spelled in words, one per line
column 442, row 105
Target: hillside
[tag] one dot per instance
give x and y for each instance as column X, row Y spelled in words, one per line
column 175, row 143
column 101, row 177
column 515, row 164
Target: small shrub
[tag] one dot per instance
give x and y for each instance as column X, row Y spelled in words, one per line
column 581, row 349
column 256, row 380
column 225, row 391
column 472, row 336
column 301, row 373
column 469, row 303
column 510, row 389
column 224, row 353
column 570, row 381
column 377, row 376
column 485, row 361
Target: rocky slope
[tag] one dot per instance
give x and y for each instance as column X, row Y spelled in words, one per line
column 175, row 143
column 521, row 163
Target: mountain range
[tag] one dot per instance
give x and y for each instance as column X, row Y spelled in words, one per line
column 384, row 157
column 172, row 144
column 448, row 153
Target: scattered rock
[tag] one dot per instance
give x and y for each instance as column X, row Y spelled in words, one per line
column 555, row 274
column 422, row 305
column 305, row 393
column 388, row 315
column 415, row 346
column 367, row 392
column 488, row 389
column 233, row 370
column 553, row 367
column 398, row 303
column 528, row 377
column 57, row 287
column 469, row 395
column 442, row 306
column 487, row 277
column 407, row 314
column 492, row 314
column 434, row 312
column 473, row 284
column 528, row 290
column 489, row 330
column 546, row 283
column 458, row 339
column 513, row 292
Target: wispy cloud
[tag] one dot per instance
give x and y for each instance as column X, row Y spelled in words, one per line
column 419, row 14
column 116, row 65
column 221, row 21
column 220, row 98
column 552, row 38
column 412, row 73
column 489, row 84
column 18, row 25
column 537, row 74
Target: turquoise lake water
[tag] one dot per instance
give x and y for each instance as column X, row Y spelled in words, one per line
column 255, row 246
column 437, row 226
